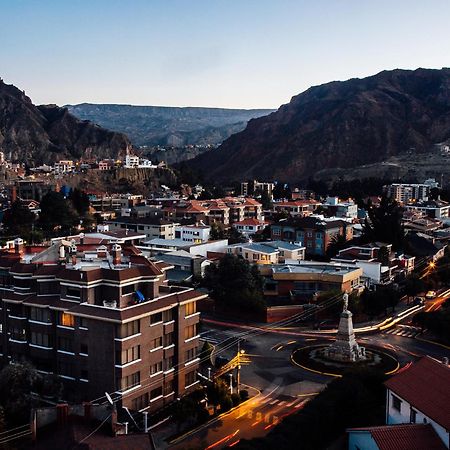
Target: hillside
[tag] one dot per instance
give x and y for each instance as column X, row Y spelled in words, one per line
column 44, row 134
column 339, row 126
column 168, row 126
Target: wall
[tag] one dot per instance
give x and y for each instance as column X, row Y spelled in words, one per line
column 361, row 440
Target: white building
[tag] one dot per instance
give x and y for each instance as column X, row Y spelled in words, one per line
column 250, row 226
column 195, row 234
column 131, row 161
column 64, row 166
column 406, row 192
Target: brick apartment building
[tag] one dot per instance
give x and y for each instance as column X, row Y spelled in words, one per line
column 313, row 233
column 102, row 318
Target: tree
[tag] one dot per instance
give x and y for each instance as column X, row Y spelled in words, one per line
column 384, row 223
column 57, row 213
column 218, row 394
column 281, row 191
column 235, row 285
column 19, row 220
column 217, row 231
column 80, row 201
column 265, row 199
column 339, row 242
column 383, row 255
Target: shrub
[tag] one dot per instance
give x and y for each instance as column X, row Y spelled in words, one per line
column 243, row 395
column 236, row 399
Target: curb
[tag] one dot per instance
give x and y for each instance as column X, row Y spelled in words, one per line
column 432, row 342
column 211, row 421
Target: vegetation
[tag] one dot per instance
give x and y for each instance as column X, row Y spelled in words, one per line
column 374, row 303
column 326, row 417
column 19, row 220
column 235, row 285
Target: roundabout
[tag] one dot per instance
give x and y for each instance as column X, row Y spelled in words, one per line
column 314, row 359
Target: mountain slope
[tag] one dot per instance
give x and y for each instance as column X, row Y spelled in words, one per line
column 43, row 134
column 171, row 126
column 338, row 125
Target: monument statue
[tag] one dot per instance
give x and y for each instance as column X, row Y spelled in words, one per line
column 345, row 298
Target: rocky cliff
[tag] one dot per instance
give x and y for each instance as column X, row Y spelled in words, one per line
column 340, row 125
column 44, row 134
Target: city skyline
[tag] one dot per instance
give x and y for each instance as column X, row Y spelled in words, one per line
column 212, row 54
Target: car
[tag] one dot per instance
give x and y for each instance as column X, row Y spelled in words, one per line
column 430, row 294
column 419, row 301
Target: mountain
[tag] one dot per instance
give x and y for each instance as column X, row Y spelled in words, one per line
column 168, row 126
column 339, row 126
column 44, row 134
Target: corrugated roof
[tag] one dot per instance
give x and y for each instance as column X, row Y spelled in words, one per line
column 426, row 386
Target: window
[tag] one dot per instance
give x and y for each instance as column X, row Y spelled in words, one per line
column 190, row 378
column 65, row 368
column 129, row 329
column 190, row 308
column 73, row 292
column 168, row 315
column 396, row 403
column 140, row 402
column 40, row 315
column 83, row 322
column 66, row 320
column 168, row 363
column 18, row 334
column 155, row 318
column 65, row 344
column 84, row 374
column 156, row 368
column 190, row 354
column 155, row 393
column 169, row 387
column 130, row 381
column 40, row 339
column 128, row 355
column 156, row 343
column 190, row 331
column 412, row 415
column 168, row 339
column 84, row 349
column 128, row 289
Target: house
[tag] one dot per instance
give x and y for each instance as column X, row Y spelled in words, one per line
column 195, row 234
column 64, row 166
column 269, row 252
column 249, row 227
column 417, row 410
column 183, row 265
column 296, row 208
column 342, row 209
column 314, row 233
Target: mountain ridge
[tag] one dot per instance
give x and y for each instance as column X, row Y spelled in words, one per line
column 342, row 124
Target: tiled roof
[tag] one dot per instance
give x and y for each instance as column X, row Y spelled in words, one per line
column 405, row 437
column 426, row 386
column 250, row 221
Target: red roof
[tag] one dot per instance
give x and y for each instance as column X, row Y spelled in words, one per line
column 405, row 437
column 250, row 221
column 426, row 386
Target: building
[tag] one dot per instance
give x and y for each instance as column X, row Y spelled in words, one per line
column 296, row 208
column 255, row 187
column 102, row 318
column 64, row 166
column 436, row 209
column 106, row 164
column 342, row 209
column 152, row 227
column 407, row 192
column 314, row 233
column 306, row 278
column 269, row 252
column 195, row 234
column 131, row 161
column 417, row 410
column 249, row 227
column 183, row 265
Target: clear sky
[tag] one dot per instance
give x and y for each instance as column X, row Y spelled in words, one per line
column 225, row 53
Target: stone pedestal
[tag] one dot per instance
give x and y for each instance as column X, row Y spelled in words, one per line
column 345, row 347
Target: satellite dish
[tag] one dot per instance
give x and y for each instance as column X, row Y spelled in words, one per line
column 108, row 397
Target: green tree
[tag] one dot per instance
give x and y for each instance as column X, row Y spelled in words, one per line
column 235, row 285
column 384, row 223
column 80, row 201
column 18, row 220
column 57, row 213
column 218, row 394
column 339, row 242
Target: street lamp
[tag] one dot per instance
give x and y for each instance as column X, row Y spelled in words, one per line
column 231, row 383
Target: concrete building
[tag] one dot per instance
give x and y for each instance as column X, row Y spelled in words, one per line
column 103, row 319
column 152, row 227
column 195, row 234
column 343, row 209
column 249, row 227
column 405, row 193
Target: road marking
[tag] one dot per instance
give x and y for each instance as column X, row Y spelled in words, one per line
column 300, row 404
column 282, row 403
column 266, row 400
column 274, row 402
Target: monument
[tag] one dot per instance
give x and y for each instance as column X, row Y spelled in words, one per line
column 345, row 348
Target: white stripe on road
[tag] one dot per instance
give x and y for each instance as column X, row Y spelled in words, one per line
column 274, row 402
column 282, row 403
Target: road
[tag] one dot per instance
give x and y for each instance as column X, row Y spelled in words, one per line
column 283, row 386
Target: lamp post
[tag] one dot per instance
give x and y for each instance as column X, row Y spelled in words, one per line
column 231, row 383
column 238, row 376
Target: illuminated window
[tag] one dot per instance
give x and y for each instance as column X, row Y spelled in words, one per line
column 190, row 308
column 190, row 332
column 66, row 320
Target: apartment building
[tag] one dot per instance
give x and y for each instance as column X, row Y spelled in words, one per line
column 152, row 227
column 103, row 319
column 195, row 234
column 295, row 208
column 407, row 192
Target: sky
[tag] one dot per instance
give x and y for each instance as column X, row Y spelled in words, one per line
column 220, row 53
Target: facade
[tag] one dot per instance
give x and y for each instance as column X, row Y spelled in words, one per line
column 296, row 208
column 437, row 209
column 405, row 193
column 152, row 227
column 312, row 232
column 249, row 227
column 342, row 209
column 252, row 187
column 64, row 166
column 195, row 234
column 308, row 278
column 101, row 318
